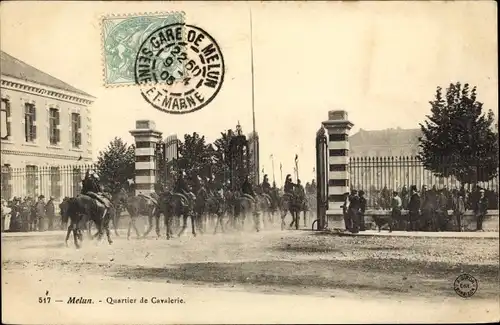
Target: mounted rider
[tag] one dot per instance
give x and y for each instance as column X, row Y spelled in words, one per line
column 246, row 188
column 266, row 187
column 181, row 187
column 289, row 185
column 92, row 188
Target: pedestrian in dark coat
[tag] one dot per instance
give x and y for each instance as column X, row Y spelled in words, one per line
column 413, row 209
column 481, row 209
column 353, row 212
column 40, row 214
column 50, row 212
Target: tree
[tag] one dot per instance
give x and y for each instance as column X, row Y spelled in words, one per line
column 458, row 138
column 222, row 162
column 116, row 165
column 195, row 156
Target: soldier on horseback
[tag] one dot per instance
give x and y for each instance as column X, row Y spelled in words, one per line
column 266, row 187
column 246, row 188
column 181, row 187
column 92, row 188
column 289, row 186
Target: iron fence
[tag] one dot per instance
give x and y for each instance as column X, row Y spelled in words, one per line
column 32, row 181
column 377, row 176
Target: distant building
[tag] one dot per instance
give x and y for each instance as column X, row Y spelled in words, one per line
column 384, row 143
column 55, row 117
column 254, row 157
column 45, row 123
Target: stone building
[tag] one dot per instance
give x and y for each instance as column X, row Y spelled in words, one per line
column 384, row 143
column 45, row 122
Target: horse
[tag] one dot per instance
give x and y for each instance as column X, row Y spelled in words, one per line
column 173, row 205
column 269, row 204
column 136, row 206
column 246, row 205
column 208, row 205
column 83, row 209
column 291, row 202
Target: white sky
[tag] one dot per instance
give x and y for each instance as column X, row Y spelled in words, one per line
column 379, row 61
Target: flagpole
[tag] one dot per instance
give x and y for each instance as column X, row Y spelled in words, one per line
column 281, row 172
column 253, row 95
column 272, row 161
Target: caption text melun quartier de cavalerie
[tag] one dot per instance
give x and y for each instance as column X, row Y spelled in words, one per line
column 128, row 300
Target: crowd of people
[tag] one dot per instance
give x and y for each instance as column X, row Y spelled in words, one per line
column 28, row 214
column 427, row 209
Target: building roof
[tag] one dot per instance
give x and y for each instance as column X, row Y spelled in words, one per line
column 387, row 137
column 12, row 67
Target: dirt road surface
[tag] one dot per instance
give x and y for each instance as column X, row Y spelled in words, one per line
column 272, row 276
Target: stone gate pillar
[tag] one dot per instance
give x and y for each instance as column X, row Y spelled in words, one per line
column 146, row 136
column 338, row 127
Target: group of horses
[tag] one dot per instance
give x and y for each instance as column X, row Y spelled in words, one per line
column 230, row 210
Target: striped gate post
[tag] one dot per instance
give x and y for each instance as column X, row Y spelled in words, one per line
column 338, row 127
column 146, row 136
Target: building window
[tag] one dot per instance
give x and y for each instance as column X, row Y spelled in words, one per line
column 30, row 122
column 76, row 130
column 55, row 179
column 31, row 178
column 54, row 132
column 5, row 119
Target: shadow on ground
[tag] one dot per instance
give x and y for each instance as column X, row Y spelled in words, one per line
column 390, row 276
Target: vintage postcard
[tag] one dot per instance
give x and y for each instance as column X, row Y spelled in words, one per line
column 249, row 162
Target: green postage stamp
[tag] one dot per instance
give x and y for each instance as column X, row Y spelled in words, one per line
column 122, row 37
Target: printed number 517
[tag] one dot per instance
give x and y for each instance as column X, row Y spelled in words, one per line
column 44, row 300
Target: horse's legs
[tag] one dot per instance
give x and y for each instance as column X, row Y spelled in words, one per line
column 70, row 227
column 115, row 219
column 89, row 229
column 193, row 224
column 129, row 227
column 157, row 221
column 283, row 215
column 297, row 220
column 137, row 233
column 184, row 224
column 150, row 226
column 75, row 236
column 305, row 218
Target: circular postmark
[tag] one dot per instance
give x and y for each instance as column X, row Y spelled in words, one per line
column 465, row 285
column 179, row 68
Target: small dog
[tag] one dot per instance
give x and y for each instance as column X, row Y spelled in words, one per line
column 382, row 221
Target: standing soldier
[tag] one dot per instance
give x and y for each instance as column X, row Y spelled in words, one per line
column 396, row 205
column 481, row 208
column 50, row 212
column 39, row 223
column 353, row 211
column 345, row 211
column 405, row 197
column 459, row 208
column 413, row 209
column 362, row 210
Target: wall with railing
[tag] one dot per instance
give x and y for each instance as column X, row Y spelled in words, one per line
column 56, row 181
